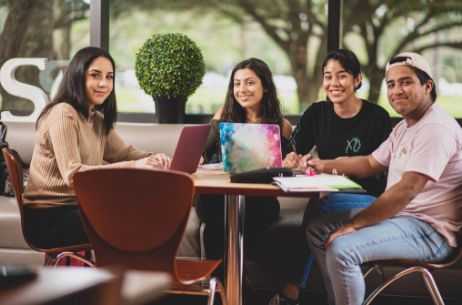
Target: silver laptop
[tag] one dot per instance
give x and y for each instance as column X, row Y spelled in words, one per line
column 246, row 147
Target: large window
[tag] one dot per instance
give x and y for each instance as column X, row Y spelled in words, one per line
column 291, row 36
column 290, row 39
column 377, row 32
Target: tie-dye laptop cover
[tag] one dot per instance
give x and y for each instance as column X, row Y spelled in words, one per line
column 246, row 147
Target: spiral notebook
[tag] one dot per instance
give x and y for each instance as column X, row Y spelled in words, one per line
column 247, row 147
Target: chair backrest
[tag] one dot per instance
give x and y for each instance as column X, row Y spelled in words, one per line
column 134, row 217
column 14, row 166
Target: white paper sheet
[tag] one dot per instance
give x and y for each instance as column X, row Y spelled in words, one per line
column 322, row 182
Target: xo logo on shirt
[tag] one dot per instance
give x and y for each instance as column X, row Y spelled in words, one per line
column 353, row 145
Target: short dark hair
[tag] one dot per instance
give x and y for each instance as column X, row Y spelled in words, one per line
column 347, row 59
column 271, row 107
column 421, row 75
column 72, row 88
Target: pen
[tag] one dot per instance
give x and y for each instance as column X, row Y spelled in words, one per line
column 292, row 143
column 314, row 154
column 308, row 172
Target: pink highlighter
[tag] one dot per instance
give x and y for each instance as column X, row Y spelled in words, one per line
column 310, row 172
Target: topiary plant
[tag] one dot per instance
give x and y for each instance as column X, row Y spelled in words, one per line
column 169, row 66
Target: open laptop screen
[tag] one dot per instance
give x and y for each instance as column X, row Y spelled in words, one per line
column 247, row 147
column 189, row 148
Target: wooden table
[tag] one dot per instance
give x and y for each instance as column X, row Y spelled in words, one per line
column 217, row 182
column 81, row 285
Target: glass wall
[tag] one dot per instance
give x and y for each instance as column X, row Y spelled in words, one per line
column 292, row 39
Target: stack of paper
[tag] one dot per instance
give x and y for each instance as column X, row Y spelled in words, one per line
column 212, row 166
column 316, row 183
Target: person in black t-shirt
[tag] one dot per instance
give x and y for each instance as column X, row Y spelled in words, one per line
column 344, row 125
column 335, row 136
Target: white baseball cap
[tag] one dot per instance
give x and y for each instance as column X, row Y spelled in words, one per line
column 410, row 59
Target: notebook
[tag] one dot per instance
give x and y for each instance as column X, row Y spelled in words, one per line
column 246, row 147
column 316, row 183
column 189, row 148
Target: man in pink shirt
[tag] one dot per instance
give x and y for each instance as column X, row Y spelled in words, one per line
column 420, row 213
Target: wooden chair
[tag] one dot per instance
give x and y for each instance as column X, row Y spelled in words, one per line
column 55, row 255
column 412, row 266
column 136, row 218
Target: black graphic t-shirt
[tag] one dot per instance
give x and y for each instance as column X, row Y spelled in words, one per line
column 335, row 136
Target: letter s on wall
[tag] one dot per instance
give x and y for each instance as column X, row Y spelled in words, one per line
column 14, row 87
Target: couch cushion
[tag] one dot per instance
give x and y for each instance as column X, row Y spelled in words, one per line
column 10, row 224
column 156, row 138
column 189, row 245
column 21, row 137
column 21, row 257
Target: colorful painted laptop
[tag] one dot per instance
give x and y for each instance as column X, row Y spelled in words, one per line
column 246, row 147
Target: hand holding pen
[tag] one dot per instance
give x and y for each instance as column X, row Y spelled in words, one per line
column 306, row 166
column 295, row 160
column 292, row 159
column 311, row 156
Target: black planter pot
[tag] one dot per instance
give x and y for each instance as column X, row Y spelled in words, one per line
column 170, row 110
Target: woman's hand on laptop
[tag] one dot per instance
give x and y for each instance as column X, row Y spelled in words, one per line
column 161, row 161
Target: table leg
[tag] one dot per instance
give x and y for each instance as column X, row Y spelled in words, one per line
column 234, row 220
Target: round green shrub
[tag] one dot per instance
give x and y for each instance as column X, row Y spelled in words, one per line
column 169, row 65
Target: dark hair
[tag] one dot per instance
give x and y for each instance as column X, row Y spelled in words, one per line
column 347, row 59
column 421, row 75
column 72, row 88
column 271, row 107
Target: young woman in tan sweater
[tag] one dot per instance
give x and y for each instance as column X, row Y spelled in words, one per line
column 75, row 132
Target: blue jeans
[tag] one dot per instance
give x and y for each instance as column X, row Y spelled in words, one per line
column 333, row 203
column 401, row 237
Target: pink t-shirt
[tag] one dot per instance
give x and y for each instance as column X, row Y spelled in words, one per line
column 433, row 147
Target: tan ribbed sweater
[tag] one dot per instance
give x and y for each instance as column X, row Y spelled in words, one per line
column 65, row 143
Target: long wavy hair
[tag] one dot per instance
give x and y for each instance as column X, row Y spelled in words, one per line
column 72, row 88
column 270, row 105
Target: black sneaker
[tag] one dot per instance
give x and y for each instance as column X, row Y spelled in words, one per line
column 281, row 300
